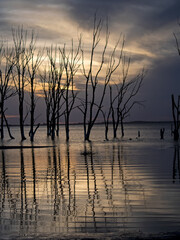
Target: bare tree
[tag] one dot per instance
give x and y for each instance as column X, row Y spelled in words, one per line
column 90, row 107
column 33, row 66
column 71, row 65
column 129, row 101
column 6, row 89
column 122, row 96
column 106, row 115
column 20, row 74
column 52, row 86
column 46, row 85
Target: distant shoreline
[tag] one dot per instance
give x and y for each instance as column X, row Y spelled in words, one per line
column 100, row 123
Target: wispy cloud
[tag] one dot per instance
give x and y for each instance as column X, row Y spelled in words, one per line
column 147, row 26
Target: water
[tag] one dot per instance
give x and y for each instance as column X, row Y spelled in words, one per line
column 90, row 189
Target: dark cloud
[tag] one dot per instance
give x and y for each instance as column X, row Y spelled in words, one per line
column 148, row 26
column 162, row 81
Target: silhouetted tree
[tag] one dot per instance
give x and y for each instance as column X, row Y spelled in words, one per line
column 121, row 98
column 90, row 107
column 106, row 116
column 33, row 66
column 22, row 58
column 128, row 102
column 46, row 85
column 52, row 86
column 6, row 89
column 71, row 65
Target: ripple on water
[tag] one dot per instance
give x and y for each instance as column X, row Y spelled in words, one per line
column 115, row 188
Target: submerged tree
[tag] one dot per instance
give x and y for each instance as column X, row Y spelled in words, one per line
column 22, row 58
column 126, row 92
column 176, row 113
column 6, row 89
column 33, row 66
column 90, row 107
column 121, row 98
column 52, row 86
column 71, row 66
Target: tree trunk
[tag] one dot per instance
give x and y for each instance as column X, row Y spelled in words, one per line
column 31, row 133
column 175, row 118
column 106, row 132
column 2, row 120
column 114, row 132
column 53, row 126
column 21, row 120
column 57, row 125
column 122, row 128
column 8, row 128
column 47, row 122
column 87, row 135
column 176, row 135
column 67, row 131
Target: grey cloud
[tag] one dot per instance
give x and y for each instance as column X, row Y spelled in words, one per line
column 160, row 83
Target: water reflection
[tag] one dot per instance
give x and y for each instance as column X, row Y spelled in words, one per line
column 92, row 188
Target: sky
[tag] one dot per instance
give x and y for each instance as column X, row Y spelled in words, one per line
column 148, row 27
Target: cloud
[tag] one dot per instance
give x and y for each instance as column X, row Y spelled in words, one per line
column 147, row 26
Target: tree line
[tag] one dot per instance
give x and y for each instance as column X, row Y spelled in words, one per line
column 108, row 89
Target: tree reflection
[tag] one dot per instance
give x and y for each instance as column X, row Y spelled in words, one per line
column 5, row 188
column 34, row 210
column 88, row 155
column 72, row 190
column 24, row 204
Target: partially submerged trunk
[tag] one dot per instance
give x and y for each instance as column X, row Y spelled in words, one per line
column 175, row 113
column 122, row 128
column 21, row 119
column 106, row 132
column 2, row 120
column 8, row 128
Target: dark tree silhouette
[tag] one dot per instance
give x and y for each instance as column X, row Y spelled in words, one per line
column 121, row 98
column 127, row 101
column 52, row 86
column 22, row 58
column 6, row 89
column 89, row 106
column 71, row 65
column 33, row 66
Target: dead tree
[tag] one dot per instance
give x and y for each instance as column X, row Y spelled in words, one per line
column 20, row 38
column 46, row 85
column 122, row 97
column 33, row 66
column 71, row 65
column 175, row 113
column 90, row 107
column 52, row 86
column 129, row 101
column 6, row 90
column 106, row 116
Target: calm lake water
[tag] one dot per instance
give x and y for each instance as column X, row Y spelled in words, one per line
column 90, row 189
